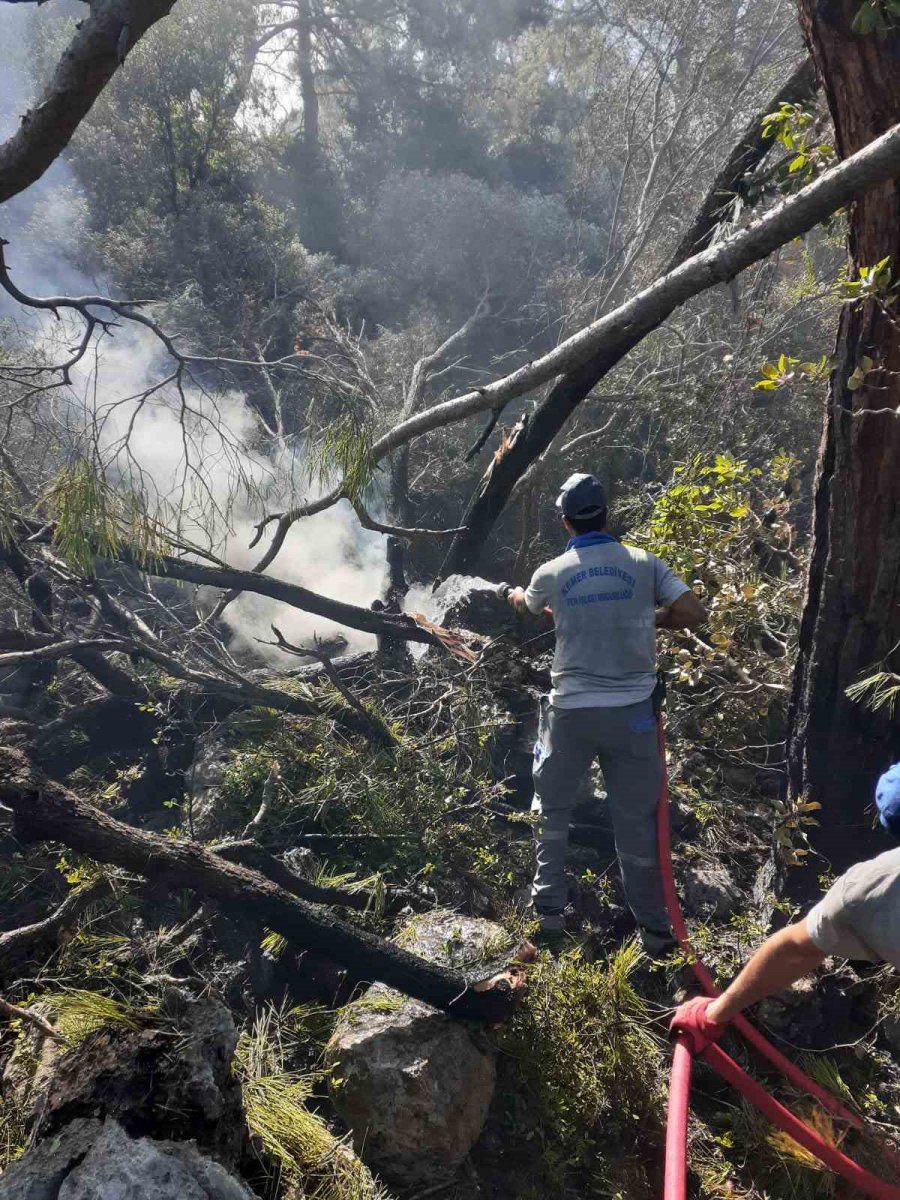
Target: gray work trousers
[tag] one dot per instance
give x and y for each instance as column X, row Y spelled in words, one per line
column 623, row 740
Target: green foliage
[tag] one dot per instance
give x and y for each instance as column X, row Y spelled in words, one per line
column 872, row 283
column 786, row 370
column 700, row 514
column 343, row 450
column 876, row 16
column 276, row 1107
column 78, row 1012
column 418, row 812
column 583, row 1052
column 93, row 520
column 13, row 1133
column 880, row 690
column 791, row 125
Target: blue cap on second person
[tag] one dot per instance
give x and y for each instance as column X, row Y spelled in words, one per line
column 581, row 496
column 887, row 798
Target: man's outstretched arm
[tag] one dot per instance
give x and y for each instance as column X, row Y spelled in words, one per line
column 786, row 957
column 684, row 613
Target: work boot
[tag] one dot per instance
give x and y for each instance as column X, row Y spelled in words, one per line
column 657, row 943
column 551, row 932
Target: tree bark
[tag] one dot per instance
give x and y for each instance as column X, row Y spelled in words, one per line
column 395, row 624
column 16, row 942
column 45, row 810
column 536, row 434
column 88, row 63
column 851, row 619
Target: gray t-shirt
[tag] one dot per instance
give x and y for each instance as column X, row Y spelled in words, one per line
column 604, row 597
column 859, row 916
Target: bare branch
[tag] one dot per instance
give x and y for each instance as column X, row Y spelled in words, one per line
column 379, row 731
column 33, row 1018
column 399, row 531
column 91, row 59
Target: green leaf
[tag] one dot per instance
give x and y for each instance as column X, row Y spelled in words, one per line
column 866, row 20
column 798, row 163
column 855, row 380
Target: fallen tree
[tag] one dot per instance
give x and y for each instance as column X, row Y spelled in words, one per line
column 535, row 435
column 47, row 811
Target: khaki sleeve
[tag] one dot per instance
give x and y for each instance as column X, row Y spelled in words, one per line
column 829, row 925
column 537, row 594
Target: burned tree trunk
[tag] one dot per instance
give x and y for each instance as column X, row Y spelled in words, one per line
column 851, row 621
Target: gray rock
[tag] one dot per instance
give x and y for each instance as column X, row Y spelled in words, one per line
column 413, row 1086
column 469, row 602
column 90, row 1160
column 711, row 893
column 134, row 1076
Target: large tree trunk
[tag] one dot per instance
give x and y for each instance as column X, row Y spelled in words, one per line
column 851, row 622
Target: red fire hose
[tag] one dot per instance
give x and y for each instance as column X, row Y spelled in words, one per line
column 675, row 1185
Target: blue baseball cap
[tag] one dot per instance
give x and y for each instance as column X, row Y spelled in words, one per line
column 581, row 496
column 887, row 798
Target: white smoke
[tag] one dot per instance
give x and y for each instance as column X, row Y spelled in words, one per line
column 214, row 475
column 213, row 470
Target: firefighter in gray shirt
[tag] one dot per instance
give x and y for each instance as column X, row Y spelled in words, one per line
column 858, row 917
column 607, row 601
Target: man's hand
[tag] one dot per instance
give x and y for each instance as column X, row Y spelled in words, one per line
column 685, row 613
column 693, row 1020
column 516, row 599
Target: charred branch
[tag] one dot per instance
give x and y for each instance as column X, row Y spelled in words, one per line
column 21, row 941
column 47, row 811
column 247, row 853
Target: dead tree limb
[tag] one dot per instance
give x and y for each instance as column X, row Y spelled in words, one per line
column 93, row 56
column 33, row 1018
column 251, row 854
column 18, row 941
column 620, row 331
column 47, row 811
column 396, row 625
column 379, row 732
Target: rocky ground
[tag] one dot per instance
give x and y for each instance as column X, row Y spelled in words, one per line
column 181, row 1049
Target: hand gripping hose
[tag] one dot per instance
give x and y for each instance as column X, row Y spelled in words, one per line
column 680, row 1080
